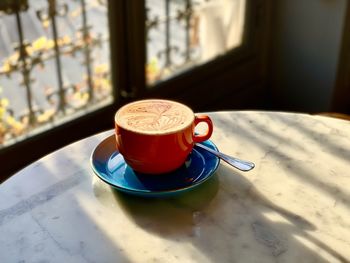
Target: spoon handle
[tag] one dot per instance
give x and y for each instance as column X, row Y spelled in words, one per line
column 237, row 163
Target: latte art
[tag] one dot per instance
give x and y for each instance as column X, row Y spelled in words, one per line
column 154, row 116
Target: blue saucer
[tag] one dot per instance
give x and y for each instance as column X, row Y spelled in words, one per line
column 109, row 165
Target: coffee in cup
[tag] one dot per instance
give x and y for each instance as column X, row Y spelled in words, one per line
column 155, row 136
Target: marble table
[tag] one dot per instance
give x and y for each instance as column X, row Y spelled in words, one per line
column 293, row 207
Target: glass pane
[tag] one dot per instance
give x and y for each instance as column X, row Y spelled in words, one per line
column 186, row 33
column 54, row 64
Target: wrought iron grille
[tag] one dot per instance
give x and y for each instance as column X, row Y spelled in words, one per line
column 182, row 34
column 58, row 67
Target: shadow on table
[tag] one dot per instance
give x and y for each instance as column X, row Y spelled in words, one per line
column 317, row 137
column 170, row 216
column 274, row 142
column 229, row 204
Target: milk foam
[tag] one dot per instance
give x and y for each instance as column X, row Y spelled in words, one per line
column 154, row 116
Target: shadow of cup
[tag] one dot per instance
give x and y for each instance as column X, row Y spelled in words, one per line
column 168, row 216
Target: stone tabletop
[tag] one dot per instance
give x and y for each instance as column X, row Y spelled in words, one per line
column 293, row 207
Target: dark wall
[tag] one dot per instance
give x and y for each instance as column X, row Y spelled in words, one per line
column 305, row 46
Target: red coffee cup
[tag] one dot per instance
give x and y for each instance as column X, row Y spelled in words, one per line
column 147, row 143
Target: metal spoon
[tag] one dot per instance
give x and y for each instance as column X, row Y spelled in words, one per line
column 237, row 163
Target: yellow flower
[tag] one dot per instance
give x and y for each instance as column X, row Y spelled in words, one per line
column 50, row 44
column 13, row 58
column 46, row 115
column 4, row 102
column 10, row 120
column 153, row 66
column 30, row 50
column 105, row 82
column 64, row 40
column 2, row 112
column 6, row 67
column 85, row 96
column 81, row 96
column 152, row 70
column 101, row 69
column 76, row 12
column 40, row 43
column 17, row 126
column 46, row 23
column 102, row 83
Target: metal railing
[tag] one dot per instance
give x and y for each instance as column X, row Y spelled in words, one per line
column 175, row 39
column 65, row 98
column 172, row 27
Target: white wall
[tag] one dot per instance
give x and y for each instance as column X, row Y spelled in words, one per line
column 306, row 37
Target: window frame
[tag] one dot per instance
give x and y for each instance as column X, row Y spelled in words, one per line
column 341, row 94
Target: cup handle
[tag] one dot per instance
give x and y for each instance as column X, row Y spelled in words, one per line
column 207, row 134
